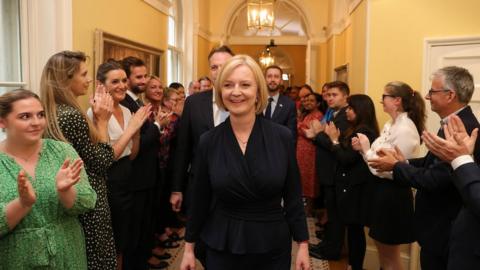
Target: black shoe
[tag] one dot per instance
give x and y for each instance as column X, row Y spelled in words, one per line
column 164, row 256
column 169, row 243
column 320, row 246
column 323, row 256
column 160, row 265
column 320, row 234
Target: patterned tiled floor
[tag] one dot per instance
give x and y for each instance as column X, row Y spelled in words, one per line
column 315, row 264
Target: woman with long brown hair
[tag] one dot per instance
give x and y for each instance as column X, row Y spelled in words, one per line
column 64, row 78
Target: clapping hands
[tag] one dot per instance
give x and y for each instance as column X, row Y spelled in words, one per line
column 102, row 104
column 314, row 128
column 26, row 193
column 332, row 131
column 457, row 142
column 361, row 143
column 68, row 175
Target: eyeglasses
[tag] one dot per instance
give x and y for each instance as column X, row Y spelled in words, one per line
column 433, row 91
column 386, row 95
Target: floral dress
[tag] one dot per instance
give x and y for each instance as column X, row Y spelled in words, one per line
column 97, row 158
column 49, row 236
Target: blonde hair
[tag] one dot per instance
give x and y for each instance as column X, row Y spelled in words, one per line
column 151, row 78
column 228, row 68
column 55, row 90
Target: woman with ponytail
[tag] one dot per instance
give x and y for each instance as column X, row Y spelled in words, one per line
column 391, row 206
column 64, row 78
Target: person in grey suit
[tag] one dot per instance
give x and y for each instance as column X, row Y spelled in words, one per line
column 280, row 109
column 457, row 149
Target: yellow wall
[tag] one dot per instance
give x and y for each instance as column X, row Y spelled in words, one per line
column 204, row 47
column 347, row 47
column 356, row 40
column 131, row 19
column 397, row 32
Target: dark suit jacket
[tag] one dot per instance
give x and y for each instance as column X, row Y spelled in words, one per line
column 145, row 165
column 197, row 117
column 326, row 163
column 465, row 238
column 437, row 202
column 285, row 114
column 352, row 177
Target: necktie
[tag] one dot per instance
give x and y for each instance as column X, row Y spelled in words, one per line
column 328, row 116
column 140, row 102
column 268, row 111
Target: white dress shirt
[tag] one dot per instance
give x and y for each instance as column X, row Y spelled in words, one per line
column 401, row 133
column 219, row 115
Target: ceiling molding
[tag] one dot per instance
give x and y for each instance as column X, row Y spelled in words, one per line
column 160, row 5
column 352, row 5
column 204, row 33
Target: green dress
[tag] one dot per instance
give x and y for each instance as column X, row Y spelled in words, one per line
column 49, row 236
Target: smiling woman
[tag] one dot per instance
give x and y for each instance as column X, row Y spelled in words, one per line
column 237, row 164
column 41, row 191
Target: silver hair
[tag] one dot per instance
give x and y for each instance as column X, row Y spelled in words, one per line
column 457, row 79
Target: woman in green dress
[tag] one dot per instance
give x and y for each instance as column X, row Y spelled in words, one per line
column 43, row 188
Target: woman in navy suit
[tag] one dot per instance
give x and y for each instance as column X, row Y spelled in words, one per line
column 244, row 168
column 352, row 176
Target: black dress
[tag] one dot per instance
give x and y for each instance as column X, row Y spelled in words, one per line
column 97, row 158
column 236, row 207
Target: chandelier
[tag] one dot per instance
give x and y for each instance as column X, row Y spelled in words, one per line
column 266, row 57
column 260, row 14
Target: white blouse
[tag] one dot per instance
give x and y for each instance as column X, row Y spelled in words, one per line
column 403, row 134
column 115, row 130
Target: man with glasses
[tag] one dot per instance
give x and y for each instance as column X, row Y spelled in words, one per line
column 437, row 202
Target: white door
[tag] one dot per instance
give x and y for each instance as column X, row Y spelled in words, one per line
column 463, row 52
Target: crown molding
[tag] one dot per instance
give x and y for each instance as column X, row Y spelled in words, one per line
column 160, row 5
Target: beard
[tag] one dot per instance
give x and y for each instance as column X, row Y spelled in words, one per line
column 270, row 89
column 137, row 89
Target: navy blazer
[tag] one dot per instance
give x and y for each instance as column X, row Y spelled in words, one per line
column 246, row 202
column 465, row 238
column 197, row 118
column 145, row 165
column 285, row 114
column 437, row 201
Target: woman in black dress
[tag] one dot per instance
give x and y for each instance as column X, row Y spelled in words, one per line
column 245, row 167
column 64, row 78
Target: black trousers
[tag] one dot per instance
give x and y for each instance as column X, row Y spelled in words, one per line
column 279, row 259
column 432, row 261
column 141, row 231
column 357, row 246
column 335, row 228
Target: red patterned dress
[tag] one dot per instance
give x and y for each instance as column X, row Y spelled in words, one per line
column 306, row 155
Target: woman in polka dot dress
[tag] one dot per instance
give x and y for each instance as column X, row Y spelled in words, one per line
column 64, row 78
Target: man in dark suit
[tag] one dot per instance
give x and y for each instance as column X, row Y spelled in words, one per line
column 144, row 175
column 331, row 246
column 280, row 108
column 464, row 245
column 200, row 114
column 437, row 202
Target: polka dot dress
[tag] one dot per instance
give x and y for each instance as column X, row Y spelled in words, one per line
column 97, row 159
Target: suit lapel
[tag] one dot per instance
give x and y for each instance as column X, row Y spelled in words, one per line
column 209, row 109
column 278, row 108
